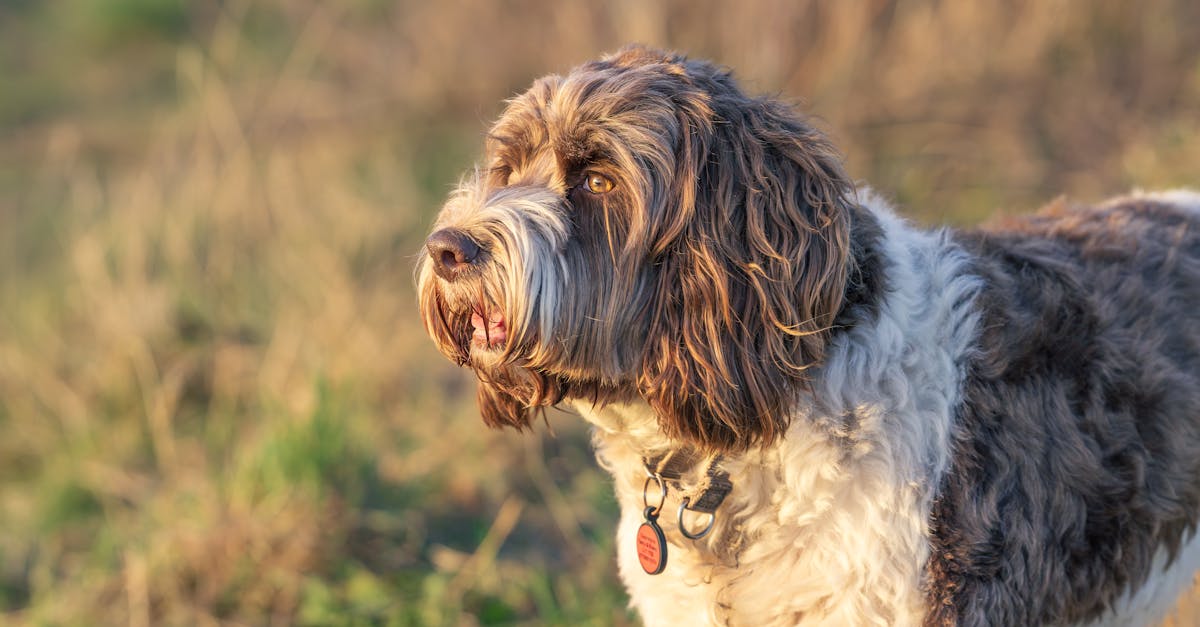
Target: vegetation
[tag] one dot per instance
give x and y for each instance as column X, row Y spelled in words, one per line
column 217, row 403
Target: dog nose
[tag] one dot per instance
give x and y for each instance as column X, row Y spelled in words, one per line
column 451, row 251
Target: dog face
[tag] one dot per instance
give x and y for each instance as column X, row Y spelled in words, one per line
column 643, row 229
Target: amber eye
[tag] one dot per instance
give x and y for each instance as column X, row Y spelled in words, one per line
column 597, row 183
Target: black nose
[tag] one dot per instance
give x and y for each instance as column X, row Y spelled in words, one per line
column 451, row 252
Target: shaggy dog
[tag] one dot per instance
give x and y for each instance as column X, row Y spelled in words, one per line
column 814, row 412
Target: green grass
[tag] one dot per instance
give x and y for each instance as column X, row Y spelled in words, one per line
column 217, row 400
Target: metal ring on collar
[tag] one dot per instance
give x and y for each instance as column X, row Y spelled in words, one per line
column 662, row 488
column 712, row 518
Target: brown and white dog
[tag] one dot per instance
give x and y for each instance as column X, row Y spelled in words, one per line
column 992, row 427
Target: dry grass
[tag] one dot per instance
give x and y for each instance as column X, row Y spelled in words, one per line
column 217, row 403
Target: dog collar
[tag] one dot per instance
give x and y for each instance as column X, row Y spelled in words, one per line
column 703, row 495
column 706, row 493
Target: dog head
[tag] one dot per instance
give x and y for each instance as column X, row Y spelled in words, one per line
column 643, row 229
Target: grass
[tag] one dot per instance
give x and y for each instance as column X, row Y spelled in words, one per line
column 217, row 401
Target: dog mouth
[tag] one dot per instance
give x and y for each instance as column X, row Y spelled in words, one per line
column 489, row 330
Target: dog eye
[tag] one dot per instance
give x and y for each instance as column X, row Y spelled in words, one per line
column 597, row 183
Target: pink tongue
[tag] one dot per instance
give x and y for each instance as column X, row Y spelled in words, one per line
column 493, row 333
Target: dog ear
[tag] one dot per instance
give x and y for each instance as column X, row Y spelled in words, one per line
column 754, row 274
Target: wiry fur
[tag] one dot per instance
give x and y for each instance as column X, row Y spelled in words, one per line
column 715, row 332
column 999, row 427
column 1078, row 446
column 834, row 514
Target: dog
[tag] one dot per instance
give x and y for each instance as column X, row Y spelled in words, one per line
column 814, row 412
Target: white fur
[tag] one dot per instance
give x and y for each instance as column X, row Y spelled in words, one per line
column 520, row 228
column 832, row 521
column 1182, row 197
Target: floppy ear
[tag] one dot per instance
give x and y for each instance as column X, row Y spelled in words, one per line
column 752, row 280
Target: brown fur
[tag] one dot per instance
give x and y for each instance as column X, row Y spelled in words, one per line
column 723, row 251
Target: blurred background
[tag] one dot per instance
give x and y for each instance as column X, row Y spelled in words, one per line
column 217, row 403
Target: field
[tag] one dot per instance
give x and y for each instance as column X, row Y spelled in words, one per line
column 217, row 403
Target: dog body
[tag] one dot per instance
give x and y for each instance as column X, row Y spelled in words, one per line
column 986, row 427
column 838, row 517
